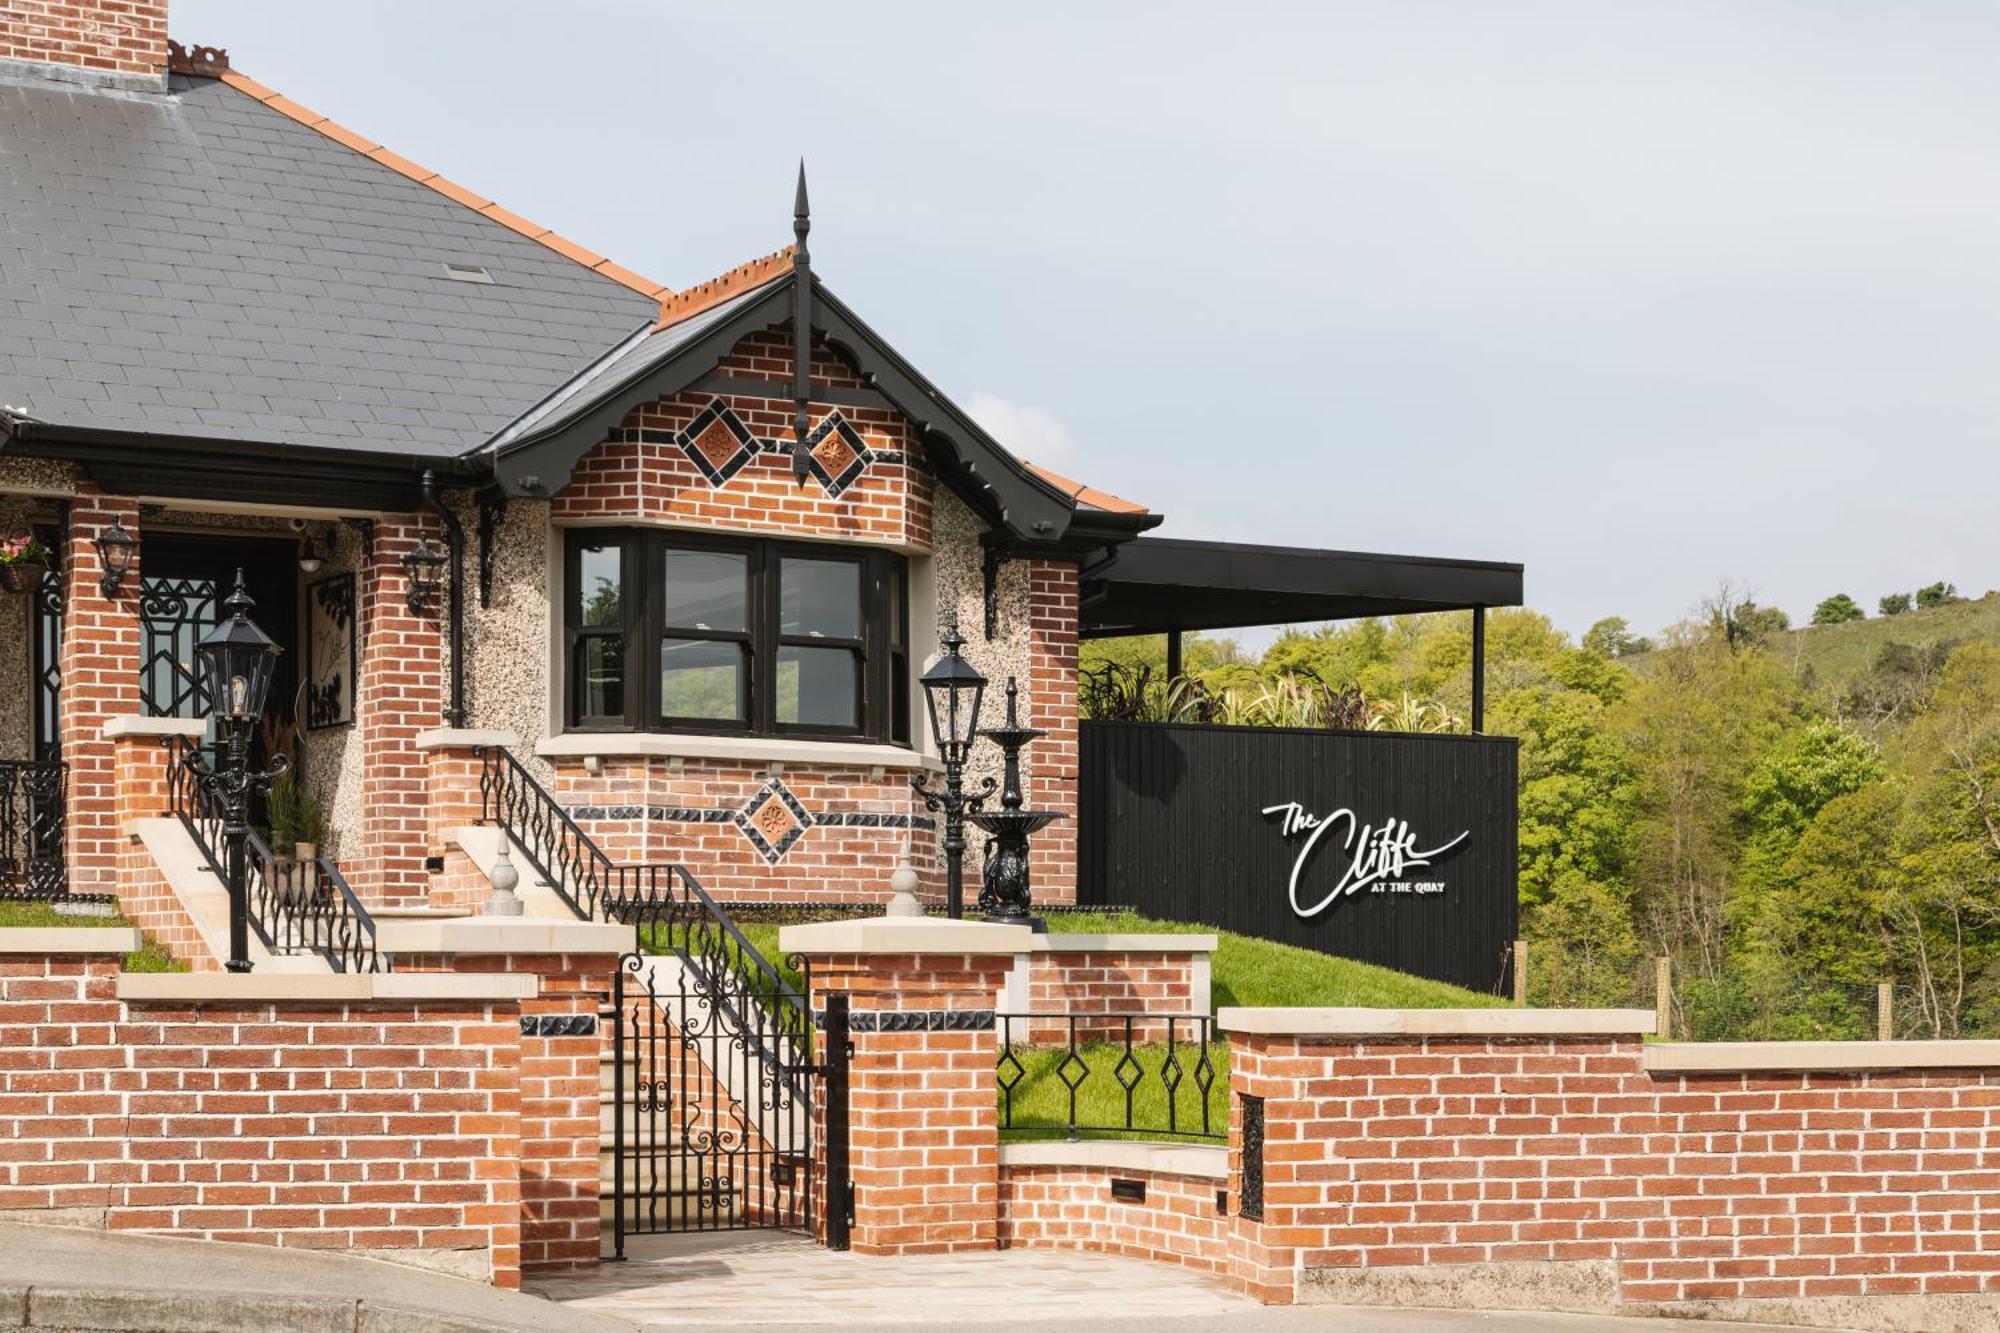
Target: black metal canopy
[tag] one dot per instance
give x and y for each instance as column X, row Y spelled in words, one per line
column 1156, row 585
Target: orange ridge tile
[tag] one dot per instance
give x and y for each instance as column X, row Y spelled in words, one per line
column 458, row 194
column 742, row 278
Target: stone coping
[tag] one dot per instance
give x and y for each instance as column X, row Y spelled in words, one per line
column 499, row 935
column 466, row 738
column 323, row 987
column 1730, row 1057
column 1131, row 943
column 905, row 935
column 1173, row 1159
column 194, row 728
column 1437, row 1022
column 16, row 940
column 754, row 749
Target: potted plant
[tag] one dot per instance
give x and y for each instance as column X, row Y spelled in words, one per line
column 24, row 562
column 297, row 825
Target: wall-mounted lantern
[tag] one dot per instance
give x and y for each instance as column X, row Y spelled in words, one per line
column 310, row 561
column 424, row 568
column 115, row 548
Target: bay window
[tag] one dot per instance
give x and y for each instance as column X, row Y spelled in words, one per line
column 672, row 631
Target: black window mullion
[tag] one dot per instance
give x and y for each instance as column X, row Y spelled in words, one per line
column 649, row 614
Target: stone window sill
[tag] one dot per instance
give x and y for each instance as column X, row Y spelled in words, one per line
column 602, row 745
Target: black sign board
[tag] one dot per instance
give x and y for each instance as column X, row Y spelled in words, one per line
column 1387, row 847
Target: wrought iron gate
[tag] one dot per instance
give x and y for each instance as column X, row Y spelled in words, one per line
column 729, row 1107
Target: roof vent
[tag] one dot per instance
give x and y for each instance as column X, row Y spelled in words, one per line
column 466, row 273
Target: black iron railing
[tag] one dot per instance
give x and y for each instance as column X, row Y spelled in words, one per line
column 33, row 808
column 1072, row 1075
column 295, row 907
column 668, row 907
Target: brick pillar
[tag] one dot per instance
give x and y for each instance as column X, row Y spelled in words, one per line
column 561, row 1053
column 924, row 1121
column 454, row 765
column 1051, row 762
column 399, row 696
column 99, row 662
column 141, row 752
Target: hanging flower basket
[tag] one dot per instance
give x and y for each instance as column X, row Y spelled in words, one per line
column 24, row 563
column 23, row 576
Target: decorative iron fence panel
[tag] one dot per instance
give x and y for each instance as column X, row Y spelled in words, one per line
column 713, row 1101
column 1072, row 1075
column 1230, row 826
column 33, row 808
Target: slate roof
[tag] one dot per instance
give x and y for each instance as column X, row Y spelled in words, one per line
column 204, row 264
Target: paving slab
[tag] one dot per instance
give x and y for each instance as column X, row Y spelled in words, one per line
column 786, row 1284
column 69, row 1277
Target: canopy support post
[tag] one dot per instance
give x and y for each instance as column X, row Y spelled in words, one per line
column 1173, row 655
column 1478, row 670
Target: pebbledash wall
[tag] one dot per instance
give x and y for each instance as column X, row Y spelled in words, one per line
column 757, row 821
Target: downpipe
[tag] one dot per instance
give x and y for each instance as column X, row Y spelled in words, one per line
column 454, row 541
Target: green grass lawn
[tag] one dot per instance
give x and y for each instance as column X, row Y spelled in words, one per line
column 150, row 956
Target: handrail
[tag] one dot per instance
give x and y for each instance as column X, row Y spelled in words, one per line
column 296, row 907
column 662, row 898
column 33, row 808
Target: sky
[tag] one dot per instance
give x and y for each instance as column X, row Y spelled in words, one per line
column 1643, row 297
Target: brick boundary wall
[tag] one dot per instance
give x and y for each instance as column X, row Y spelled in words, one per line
column 559, row 1110
column 144, row 895
column 1558, row 1172
column 389, row 1126
column 1050, row 1207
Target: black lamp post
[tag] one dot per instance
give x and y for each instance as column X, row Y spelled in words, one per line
column 237, row 658
column 952, row 690
column 1006, row 896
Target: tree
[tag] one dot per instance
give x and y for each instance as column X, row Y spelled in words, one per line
column 1784, row 793
column 1695, row 724
column 1934, row 595
column 1837, row 610
column 1894, row 604
column 1609, row 637
column 1739, row 621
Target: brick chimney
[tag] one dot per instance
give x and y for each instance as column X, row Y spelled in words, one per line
column 117, row 42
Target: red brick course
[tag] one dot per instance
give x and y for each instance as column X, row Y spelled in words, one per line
column 1052, row 762
column 924, row 1147
column 1071, row 1208
column 387, row 1125
column 641, row 475
column 1110, row 981
column 1726, row 1187
column 121, row 36
column 399, row 695
column 99, row 661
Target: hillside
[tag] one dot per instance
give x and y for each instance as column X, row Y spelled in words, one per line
column 1838, row 656
column 1836, row 660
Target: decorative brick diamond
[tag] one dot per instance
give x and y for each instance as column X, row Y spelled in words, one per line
column 772, row 819
column 836, row 454
column 717, row 443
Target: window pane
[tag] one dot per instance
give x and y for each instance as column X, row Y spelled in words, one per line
column 895, row 608
column 820, row 597
column 700, row 678
column 600, row 677
column 816, row 686
column 708, row 590
column 599, row 586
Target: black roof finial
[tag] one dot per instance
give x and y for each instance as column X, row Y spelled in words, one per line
column 801, row 215
column 801, row 333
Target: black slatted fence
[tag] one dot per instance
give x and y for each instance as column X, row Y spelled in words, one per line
column 1403, row 844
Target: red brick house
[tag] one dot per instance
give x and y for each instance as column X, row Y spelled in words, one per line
column 668, row 569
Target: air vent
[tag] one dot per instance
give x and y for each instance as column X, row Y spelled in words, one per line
column 466, row 273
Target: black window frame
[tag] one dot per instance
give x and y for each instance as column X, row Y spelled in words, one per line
column 882, row 703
